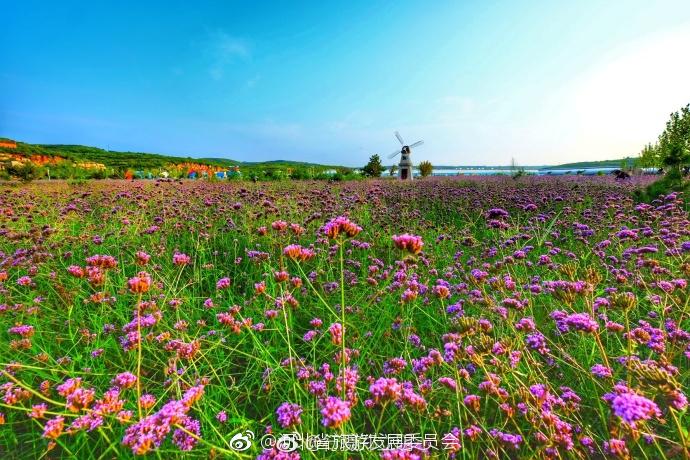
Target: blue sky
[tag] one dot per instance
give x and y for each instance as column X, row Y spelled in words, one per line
column 481, row 82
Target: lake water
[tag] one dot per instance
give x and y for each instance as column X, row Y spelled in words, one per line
column 533, row 171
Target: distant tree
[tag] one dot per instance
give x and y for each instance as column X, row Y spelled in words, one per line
column 5, row 170
column 300, row 173
column 649, row 157
column 674, row 142
column 374, row 168
column 672, row 154
column 425, row 168
column 393, row 170
column 98, row 174
column 516, row 171
column 26, row 172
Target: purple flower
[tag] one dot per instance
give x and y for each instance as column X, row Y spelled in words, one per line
column 340, row 225
column 537, row 341
column 678, row 400
column 309, row 335
column 149, row 432
column 386, row 389
column 526, row 324
column 448, row 382
column 181, row 259
column 497, row 213
column 577, row 321
column 274, row 454
column 24, row 281
column 22, row 330
column 414, row 340
column 513, row 440
column 124, row 380
column 53, row 428
column 182, row 438
column 410, row 243
column 223, row 283
column 289, row 415
column 616, row 447
column 335, row 412
column 601, row 371
column 630, row 406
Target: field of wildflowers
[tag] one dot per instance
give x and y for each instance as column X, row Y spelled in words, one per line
column 539, row 318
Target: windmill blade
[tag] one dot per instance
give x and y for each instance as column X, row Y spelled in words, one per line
column 397, row 152
column 416, row 144
column 397, row 134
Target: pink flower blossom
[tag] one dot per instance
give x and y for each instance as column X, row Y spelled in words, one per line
column 223, row 283
column 335, row 412
column 410, row 243
column 181, row 259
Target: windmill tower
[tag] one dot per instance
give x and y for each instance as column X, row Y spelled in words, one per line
column 405, row 165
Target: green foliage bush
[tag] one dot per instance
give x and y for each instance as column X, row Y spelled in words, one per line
column 672, row 153
column 671, row 182
column 374, row 168
column 26, row 172
column 425, row 168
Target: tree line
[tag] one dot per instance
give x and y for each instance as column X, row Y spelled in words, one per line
column 671, row 154
column 671, row 151
column 375, row 168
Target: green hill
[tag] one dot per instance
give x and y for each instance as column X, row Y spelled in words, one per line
column 138, row 160
column 78, row 161
column 629, row 161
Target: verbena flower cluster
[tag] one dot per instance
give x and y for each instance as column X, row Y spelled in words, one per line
column 535, row 318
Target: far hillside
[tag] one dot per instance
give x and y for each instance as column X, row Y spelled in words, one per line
column 79, row 161
column 628, row 162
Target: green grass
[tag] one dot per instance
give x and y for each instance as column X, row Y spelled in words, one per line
column 193, row 218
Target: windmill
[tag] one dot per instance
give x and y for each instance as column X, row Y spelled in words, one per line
column 405, row 165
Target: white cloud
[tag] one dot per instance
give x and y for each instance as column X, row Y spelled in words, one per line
column 267, row 129
column 611, row 109
column 608, row 110
column 622, row 104
column 252, row 82
column 224, row 49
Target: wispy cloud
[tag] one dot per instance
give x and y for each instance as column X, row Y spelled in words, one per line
column 623, row 103
column 224, row 49
column 252, row 82
column 267, row 129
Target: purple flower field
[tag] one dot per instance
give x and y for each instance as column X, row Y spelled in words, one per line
column 494, row 318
